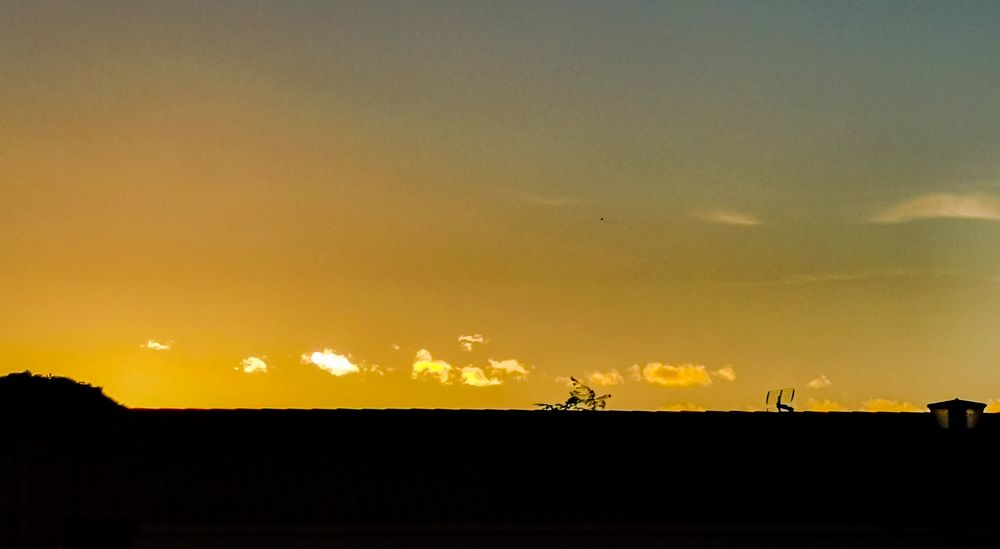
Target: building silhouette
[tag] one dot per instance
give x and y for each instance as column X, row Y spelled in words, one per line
column 466, row 478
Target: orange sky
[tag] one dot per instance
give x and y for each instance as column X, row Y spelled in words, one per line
column 686, row 204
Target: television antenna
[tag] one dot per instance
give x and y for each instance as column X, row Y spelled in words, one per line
column 779, row 400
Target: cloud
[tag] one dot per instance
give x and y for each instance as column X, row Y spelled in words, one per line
column 824, row 405
column 992, row 406
column 425, row 366
column 798, row 280
column 467, row 341
column 635, row 371
column 686, row 375
column 885, row 405
column 725, row 217
column 510, row 367
column 820, row 382
column 564, row 380
column 685, row 407
column 252, row 364
column 611, row 377
column 727, row 373
column 942, row 206
column 157, row 346
column 551, row 201
column 476, row 377
column 331, row 362
column 827, row 278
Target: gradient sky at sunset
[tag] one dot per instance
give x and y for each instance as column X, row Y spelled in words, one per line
column 308, row 204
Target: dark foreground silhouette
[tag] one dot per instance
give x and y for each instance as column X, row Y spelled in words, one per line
column 28, row 393
column 253, row 479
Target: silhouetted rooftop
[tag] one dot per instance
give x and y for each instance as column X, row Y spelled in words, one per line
column 174, row 470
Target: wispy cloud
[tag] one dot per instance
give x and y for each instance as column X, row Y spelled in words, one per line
column 942, row 206
column 424, row 366
column 797, row 280
column 253, row 365
column 467, row 341
column 563, row 380
column 609, row 378
column 886, row 405
column 331, row 362
column 154, row 345
column 820, row 382
column 727, row 373
column 826, row 278
column 551, row 201
column 824, row 405
column 683, row 407
column 476, row 377
column 727, row 217
column 510, row 367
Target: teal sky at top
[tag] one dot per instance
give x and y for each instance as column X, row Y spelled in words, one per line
column 748, row 103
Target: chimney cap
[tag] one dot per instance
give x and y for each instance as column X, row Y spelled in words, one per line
column 956, row 403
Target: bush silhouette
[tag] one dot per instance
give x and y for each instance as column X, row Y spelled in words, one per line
column 581, row 397
column 37, row 393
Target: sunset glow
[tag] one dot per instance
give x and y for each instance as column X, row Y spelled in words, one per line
column 461, row 205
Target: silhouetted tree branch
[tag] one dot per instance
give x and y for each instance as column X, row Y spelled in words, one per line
column 581, row 397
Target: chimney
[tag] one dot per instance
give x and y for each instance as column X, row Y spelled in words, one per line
column 957, row 414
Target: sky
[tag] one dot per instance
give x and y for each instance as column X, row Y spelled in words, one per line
column 463, row 204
